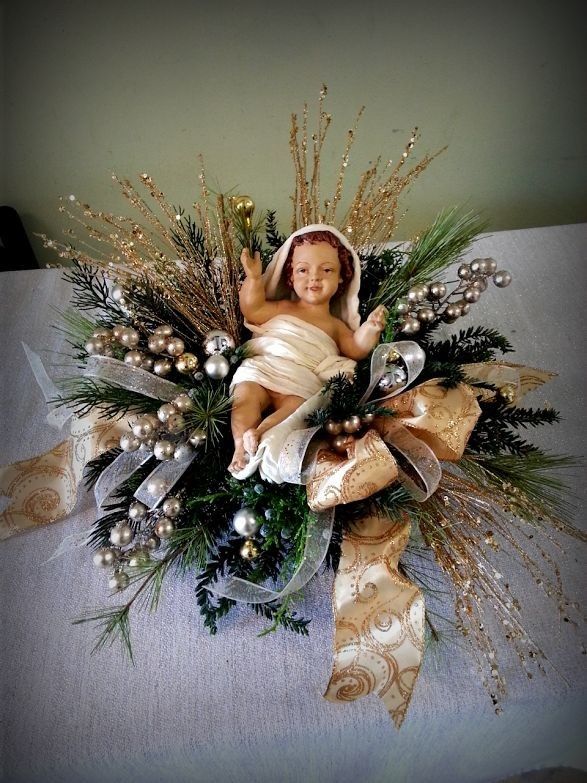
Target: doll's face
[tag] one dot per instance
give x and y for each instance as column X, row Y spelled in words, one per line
column 315, row 272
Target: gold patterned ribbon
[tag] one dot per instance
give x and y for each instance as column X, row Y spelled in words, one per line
column 379, row 615
column 379, row 618
column 43, row 489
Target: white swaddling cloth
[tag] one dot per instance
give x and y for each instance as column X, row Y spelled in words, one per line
column 290, row 356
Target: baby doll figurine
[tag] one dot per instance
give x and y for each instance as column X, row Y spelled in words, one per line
column 303, row 313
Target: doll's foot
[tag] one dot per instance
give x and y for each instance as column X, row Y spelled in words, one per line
column 240, row 459
column 251, row 441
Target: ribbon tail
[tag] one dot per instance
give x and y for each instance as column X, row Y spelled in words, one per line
column 59, row 416
column 379, row 619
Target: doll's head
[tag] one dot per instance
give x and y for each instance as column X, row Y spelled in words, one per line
column 316, row 237
column 345, row 302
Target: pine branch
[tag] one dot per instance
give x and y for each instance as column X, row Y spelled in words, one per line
column 281, row 617
column 211, row 410
column 85, row 394
column 95, row 467
column 438, row 246
column 475, row 344
column 274, row 238
column 91, row 291
column 532, row 474
column 493, row 431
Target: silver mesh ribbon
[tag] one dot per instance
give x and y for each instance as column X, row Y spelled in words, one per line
column 58, row 416
column 413, row 357
column 104, row 368
column 169, row 472
column 117, row 472
column 421, row 458
column 315, row 549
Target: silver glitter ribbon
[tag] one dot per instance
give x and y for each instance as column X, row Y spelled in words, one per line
column 413, row 357
column 315, row 548
column 104, row 368
column 117, row 473
column 169, row 472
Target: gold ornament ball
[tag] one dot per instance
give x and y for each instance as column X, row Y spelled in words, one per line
column 341, row 442
column 508, row 392
column 249, row 550
column 243, row 205
column 333, row 427
column 187, row 363
column 352, row 424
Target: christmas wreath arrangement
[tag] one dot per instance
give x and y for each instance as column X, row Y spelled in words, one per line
column 250, row 407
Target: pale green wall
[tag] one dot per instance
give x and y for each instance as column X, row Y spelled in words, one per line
column 92, row 89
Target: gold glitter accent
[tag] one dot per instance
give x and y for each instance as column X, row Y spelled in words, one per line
column 371, row 218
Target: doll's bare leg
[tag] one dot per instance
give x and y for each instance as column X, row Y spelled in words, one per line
column 284, row 406
column 249, row 402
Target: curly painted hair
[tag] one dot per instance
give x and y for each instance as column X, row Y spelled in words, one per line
column 314, row 238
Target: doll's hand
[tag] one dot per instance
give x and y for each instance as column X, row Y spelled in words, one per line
column 378, row 318
column 252, row 266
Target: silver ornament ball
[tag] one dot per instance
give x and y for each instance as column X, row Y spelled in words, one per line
column 187, row 363
column 157, row 343
column 162, row 367
column 129, row 442
column 175, row 346
column 134, row 358
column 341, row 442
column 129, row 337
column 165, row 330
column 117, row 331
column 197, row 437
column 147, row 363
column 502, row 278
column 402, row 306
column 246, row 522
column 171, row 507
column 437, row 290
column 480, row 283
column 164, row 450
column 333, row 427
column 118, row 581
column 164, row 528
column 153, row 543
column 157, row 486
column 218, row 341
column 121, row 534
column 183, row 452
column 165, row 411
column 118, row 293
column 137, row 511
column 464, row 272
column 175, row 423
column 95, row 346
column 451, row 313
column 426, row 315
column 410, row 326
column 471, row 295
column 183, row 403
column 217, row 367
column 105, row 557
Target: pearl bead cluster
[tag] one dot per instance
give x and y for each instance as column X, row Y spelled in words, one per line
column 426, row 303
column 131, row 548
column 342, row 433
column 159, row 433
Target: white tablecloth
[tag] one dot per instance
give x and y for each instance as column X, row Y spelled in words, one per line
column 238, row 708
